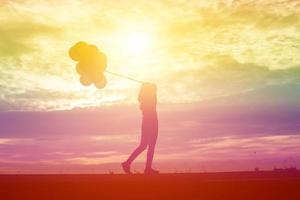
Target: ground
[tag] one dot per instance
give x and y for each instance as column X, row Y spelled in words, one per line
column 229, row 185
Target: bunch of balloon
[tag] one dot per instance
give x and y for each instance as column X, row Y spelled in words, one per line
column 92, row 64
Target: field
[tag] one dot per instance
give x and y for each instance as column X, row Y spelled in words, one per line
column 229, row 185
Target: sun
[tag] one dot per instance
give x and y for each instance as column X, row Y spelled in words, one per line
column 134, row 47
column 137, row 42
column 136, row 39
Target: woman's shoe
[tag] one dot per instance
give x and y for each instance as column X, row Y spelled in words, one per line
column 151, row 171
column 126, row 168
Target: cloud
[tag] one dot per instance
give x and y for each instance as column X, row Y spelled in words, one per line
column 5, row 141
column 243, row 148
column 17, row 34
column 5, row 106
column 36, row 73
column 15, row 38
column 53, row 154
column 115, row 137
column 249, row 31
column 253, row 14
column 94, row 161
column 224, row 76
column 15, row 141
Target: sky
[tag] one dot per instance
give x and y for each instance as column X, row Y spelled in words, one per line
column 227, row 72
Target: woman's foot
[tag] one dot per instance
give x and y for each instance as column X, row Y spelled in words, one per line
column 126, row 167
column 151, row 171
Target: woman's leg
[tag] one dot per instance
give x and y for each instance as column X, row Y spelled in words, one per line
column 136, row 152
column 150, row 152
column 150, row 155
column 143, row 145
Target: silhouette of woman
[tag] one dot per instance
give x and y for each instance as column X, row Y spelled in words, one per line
column 147, row 99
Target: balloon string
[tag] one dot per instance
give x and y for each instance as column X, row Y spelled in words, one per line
column 123, row 76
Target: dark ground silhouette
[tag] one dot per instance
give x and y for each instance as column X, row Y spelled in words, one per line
column 234, row 185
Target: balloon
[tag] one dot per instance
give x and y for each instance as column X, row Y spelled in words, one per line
column 85, row 80
column 81, row 69
column 101, row 83
column 91, row 64
column 75, row 51
column 95, row 76
column 102, row 61
column 93, row 52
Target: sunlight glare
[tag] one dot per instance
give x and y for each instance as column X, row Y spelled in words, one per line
column 136, row 42
column 136, row 38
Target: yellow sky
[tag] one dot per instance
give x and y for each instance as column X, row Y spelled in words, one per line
column 193, row 50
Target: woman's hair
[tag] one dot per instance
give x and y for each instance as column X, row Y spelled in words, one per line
column 147, row 95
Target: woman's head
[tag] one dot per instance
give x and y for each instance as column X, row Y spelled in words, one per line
column 147, row 95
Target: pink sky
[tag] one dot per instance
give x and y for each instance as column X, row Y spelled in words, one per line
column 207, row 136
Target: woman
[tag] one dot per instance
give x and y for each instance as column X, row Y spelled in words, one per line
column 147, row 99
